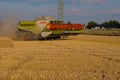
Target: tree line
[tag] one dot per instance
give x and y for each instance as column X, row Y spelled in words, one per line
column 106, row 24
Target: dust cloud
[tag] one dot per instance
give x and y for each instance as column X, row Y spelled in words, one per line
column 8, row 27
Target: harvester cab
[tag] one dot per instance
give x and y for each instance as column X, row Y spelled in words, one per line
column 56, row 22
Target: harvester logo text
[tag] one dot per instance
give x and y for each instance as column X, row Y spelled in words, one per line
column 42, row 22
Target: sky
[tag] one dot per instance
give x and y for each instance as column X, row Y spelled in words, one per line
column 76, row 11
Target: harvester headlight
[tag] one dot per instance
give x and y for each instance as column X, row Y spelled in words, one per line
column 48, row 27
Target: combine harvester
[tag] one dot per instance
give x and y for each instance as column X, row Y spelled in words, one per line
column 46, row 28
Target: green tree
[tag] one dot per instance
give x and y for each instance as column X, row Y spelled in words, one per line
column 114, row 23
column 111, row 24
column 69, row 22
column 91, row 24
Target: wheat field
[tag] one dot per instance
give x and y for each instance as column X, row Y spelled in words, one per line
column 80, row 57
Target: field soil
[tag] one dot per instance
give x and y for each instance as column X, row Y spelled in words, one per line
column 82, row 57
